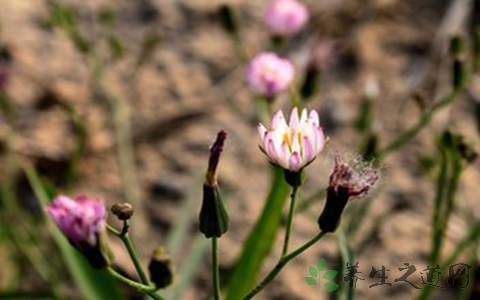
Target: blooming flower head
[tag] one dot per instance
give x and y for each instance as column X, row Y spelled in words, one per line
column 356, row 178
column 293, row 145
column 285, row 17
column 267, row 74
column 81, row 220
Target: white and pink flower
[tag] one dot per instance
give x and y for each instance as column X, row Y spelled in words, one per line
column 285, row 17
column 81, row 220
column 294, row 145
column 268, row 74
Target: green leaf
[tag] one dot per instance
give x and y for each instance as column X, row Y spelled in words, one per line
column 322, row 264
column 311, row 280
column 93, row 284
column 260, row 240
column 331, row 286
column 330, row 274
column 313, row 271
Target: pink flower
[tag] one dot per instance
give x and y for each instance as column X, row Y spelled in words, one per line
column 356, row 178
column 285, row 17
column 81, row 220
column 267, row 74
column 293, row 145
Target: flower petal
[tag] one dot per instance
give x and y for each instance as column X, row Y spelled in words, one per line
column 294, row 121
column 294, row 163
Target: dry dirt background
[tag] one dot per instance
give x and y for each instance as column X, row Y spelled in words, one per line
column 194, row 86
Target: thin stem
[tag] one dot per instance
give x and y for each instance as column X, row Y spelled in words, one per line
column 123, row 235
column 281, row 263
column 113, row 230
column 150, row 290
column 424, row 120
column 133, row 255
column 291, row 211
column 215, row 269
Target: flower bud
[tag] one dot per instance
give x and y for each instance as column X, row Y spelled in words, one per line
column 82, row 221
column 346, row 181
column 456, row 46
column 458, row 71
column 160, row 268
column 228, row 19
column 213, row 220
column 123, row 211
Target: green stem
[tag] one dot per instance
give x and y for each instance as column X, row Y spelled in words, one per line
column 347, row 256
column 150, row 290
column 215, row 269
column 424, row 120
column 281, row 263
column 133, row 255
column 291, row 212
column 131, row 251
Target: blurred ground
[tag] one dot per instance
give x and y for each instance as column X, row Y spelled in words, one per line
column 193, row 86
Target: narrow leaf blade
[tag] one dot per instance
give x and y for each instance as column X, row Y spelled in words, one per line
column 260, row 240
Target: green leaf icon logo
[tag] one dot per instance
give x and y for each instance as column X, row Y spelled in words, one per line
column 330, row 286
column 310, row 281
column 322, row 264
column 329, row 275
column 316, row 272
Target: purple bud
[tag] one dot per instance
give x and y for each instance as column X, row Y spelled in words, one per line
column 215, row 152
column 81, row 220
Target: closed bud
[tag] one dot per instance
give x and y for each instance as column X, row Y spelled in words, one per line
column 456, row 46
column 458, row 74
column 213, row 215
column 476, row 50
column 160, row 268
column 228, row 19
column 213, row 219
column 123, row 211
column 311, row 82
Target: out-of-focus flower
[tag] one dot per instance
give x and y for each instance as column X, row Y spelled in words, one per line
column 294, row 145
column 285, row 17
column 268, row 74
column 348, row 180
column 81, row 220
